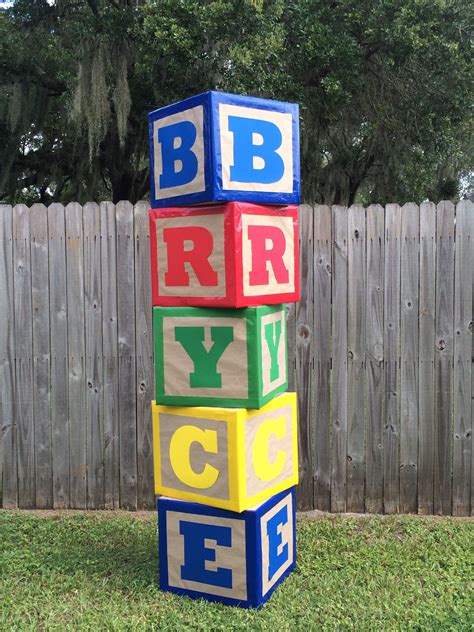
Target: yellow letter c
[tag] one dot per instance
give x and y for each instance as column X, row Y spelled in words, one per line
column 265, row 470
column 180, row 447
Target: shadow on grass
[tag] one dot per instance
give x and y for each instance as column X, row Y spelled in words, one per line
column 126, row 559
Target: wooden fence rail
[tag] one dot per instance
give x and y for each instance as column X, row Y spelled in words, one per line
column 380, row 351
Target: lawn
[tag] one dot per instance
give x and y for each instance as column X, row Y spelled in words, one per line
column 99, row 571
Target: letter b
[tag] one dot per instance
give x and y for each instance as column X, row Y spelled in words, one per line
column 179, row 162
column 248, row 153
column 261, row 254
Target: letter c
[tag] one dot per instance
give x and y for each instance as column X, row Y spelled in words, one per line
column 265, row 470
column 180, row 447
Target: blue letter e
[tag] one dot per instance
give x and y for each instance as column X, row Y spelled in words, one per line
column 276, row 559
column 179, row 162
column 196, row 554
column 246, row 149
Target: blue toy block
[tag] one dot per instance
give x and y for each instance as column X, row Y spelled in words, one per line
column 224, row 147
column 234, row 558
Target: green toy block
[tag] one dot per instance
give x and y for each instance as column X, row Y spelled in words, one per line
column 233, row 358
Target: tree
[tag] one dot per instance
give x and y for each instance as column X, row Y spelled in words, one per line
column 385, row 90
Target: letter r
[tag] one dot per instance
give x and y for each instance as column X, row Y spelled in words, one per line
column 198, row 256
column 258, row 236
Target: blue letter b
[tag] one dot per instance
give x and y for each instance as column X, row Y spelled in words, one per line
column 196, row 554
column 181, row 156
column 245, row 151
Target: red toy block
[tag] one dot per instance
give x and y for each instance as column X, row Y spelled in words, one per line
column 229, row 255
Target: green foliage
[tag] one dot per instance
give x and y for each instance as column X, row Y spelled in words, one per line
column 97, row 571
column 385, row 90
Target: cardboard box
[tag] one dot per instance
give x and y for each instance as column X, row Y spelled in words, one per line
column 227, row 458
column 237, row 559
column 230, row 255
column 222, row 147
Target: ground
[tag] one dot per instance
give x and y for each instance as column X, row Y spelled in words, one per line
column 76, row 571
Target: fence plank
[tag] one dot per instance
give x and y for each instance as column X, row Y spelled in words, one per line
column 93, row 356
column 356, row 305
column 144, row 355
column 392, row 358
column 126, row 350
column 59, row 356
column 463, row 352
column 339, row 361
column 410, row 242
column 304, row 361
column 427, row 302
column 444, row 357
column 110, row 351
column 76, row 353
column 291, row 334
column 321, row 418
column 8, row 434
column 23, row 357
column 374, row 334
column 41, row 355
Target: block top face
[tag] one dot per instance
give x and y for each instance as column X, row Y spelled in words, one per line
column 223, row 147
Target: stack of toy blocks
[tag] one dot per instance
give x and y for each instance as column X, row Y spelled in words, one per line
column 224, row 256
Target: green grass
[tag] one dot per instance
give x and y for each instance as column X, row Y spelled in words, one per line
column 99, row 571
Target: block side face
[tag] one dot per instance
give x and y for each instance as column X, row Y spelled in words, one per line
column 237, row 459
column 156, row 446
column 268, row 255
column 274, row 175
column 162, row 548
column 202, row 357
column 190, row 256
column 277, row 531
column 158, row 354
column 273, row 351
column 205, row 357
column 193, row 256
column 179, row 152
column 254, row 567
column 270, row 460
column 296, row 154
column 194, row 455
column 153, row 258
column 267, row 264
column 267, row 171
column 253, row 359
column 206, row 552
column 194, row 452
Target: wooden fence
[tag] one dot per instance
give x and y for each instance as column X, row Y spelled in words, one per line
column 380, row 351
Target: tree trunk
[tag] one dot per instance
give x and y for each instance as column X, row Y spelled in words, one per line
column 122, row 188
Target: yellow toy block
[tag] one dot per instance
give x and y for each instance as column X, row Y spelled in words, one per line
column 232, row 458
